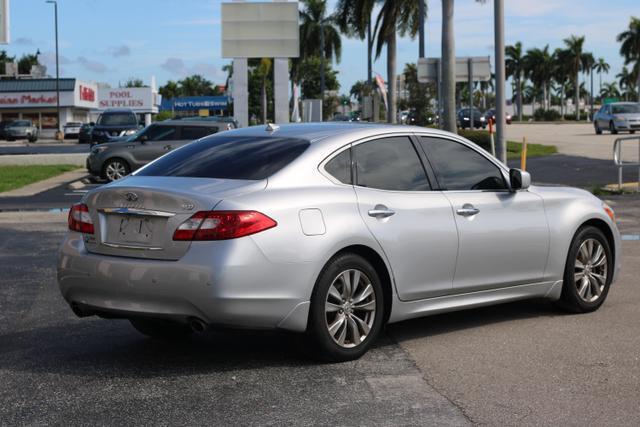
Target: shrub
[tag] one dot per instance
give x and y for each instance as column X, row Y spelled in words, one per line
column 479, row 137
column 546, row 115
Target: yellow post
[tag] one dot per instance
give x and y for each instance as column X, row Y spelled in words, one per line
column 523, row 154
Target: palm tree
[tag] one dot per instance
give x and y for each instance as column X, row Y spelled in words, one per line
column 630, row 48
column 538, row 65
column 575, row 46
column 601, row 66
column 561, row 69
column 263, row 70
column 609, row 90
column 354, row 19
column 319, row 35
column 587, row 62
column 626, row 80
column 514, row 65
column 396, row 17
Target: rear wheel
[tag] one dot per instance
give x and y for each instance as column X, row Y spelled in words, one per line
column 612, row 128
column 115, row 169
column 588, row 271
column 161, row 329
column 347, row 309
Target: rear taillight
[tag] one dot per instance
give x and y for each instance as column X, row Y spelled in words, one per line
column 222, row 225
column 79, row 219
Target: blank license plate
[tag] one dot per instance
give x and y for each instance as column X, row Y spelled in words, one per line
column 132, row 229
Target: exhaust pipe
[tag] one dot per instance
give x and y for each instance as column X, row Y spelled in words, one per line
column 197, row 325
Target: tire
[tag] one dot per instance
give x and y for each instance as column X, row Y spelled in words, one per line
column 114, row 169
column 10, row 139
column 161, row 329
column 612, row 128
column 361, row 309
column 632, row 132
column 33, row 138
column 597, row 128
column 600, row 271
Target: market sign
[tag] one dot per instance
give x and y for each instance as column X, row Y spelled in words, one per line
column 28, row 99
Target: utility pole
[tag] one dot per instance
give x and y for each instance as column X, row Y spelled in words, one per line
column 421, row 29
column 498, row 22
column 55, row 11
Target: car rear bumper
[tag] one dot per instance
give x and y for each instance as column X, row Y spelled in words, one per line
column 236, row 287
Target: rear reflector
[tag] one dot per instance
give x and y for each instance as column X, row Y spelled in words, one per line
column 79, row 219
column 222, row 225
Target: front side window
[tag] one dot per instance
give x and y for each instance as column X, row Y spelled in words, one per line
column 390, row 164
column 458, row 167
column 159, row 133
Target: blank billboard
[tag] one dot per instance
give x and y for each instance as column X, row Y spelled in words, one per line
column 260, row 30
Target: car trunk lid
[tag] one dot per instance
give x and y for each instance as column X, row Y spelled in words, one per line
column 137, row 216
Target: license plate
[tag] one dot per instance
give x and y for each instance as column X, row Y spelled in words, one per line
column 133, row 229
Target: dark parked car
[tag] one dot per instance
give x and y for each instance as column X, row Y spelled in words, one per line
column 22, row 129
column 474, row 119
column 84, row 136
column 113, row 123
column 490, row 115
column 3, row 128
column 119, row 158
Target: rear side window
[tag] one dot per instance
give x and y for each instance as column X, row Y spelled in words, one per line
column 340, row 167
column 228, row 157
column 390, row 164
column 197, row 132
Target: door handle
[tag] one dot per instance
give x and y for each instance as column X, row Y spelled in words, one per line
column 468, row 210
column 167, row 147
column 381, row 211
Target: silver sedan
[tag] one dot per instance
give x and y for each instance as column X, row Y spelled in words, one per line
column 617, row 116
column 329, row 229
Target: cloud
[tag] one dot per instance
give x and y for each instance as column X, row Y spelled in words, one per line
column 49, row 59
column 177, row 67
column 118, row 51
column 24, row 41
column 94, row 66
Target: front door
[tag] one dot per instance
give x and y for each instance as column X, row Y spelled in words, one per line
column 414, row 225
column 154, row 142
column 503, row 235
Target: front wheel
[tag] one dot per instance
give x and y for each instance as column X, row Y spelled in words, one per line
column 115, row 169
column 612, row 128
column 347, row 309
column 588, row 271
column 597, row 128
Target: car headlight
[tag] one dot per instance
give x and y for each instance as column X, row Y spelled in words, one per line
column 129, row 132
column 621, row 118
column 482, row 119
column 99, row 149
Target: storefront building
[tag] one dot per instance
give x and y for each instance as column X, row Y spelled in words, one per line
column 36, row 99
column 196, row 105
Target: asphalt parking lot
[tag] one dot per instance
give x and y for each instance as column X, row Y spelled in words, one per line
column 524, row 363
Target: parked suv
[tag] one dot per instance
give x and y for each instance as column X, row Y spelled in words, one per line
column 113, row 123
column 119, row 158
column 22, row 129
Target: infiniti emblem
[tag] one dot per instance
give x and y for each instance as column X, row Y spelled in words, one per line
column 131, row 197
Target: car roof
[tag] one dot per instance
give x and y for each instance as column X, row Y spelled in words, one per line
column 315, row 132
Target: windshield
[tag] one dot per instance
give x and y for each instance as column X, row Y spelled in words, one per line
column 625, row 108
column 228, row 158
column 117, row 119
column 73, row 124
column 21, row 123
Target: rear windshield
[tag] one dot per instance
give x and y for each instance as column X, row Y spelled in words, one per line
column 228, row 157
column 625, row 108
column 117, row 119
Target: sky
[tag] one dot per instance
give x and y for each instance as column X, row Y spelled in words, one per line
column 112, row 40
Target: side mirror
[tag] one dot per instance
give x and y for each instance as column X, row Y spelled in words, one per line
column 519, row 179
column 143, row 138
column 92, row 123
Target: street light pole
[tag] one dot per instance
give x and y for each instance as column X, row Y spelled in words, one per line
column 501, row 146
column 55, row 11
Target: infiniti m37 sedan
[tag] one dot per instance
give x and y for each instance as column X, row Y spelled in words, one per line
column 331, row 230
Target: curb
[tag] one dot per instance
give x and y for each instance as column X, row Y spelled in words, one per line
column 78, row 159
column 47, row 184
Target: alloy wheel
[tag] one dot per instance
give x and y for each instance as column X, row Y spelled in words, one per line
column 590, row 272
column 115, row 170
column 350, row 308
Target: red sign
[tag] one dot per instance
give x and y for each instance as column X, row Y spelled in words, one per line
column 27, row 99
column 87, row 94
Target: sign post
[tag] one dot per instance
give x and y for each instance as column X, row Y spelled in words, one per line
column 4, row 22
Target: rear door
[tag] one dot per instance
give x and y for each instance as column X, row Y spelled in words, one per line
column 191, row 133
column 503, row 235
column 413, row 224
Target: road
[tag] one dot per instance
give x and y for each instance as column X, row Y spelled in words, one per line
column 524, row 363
column 572, row 139
column 42, row 148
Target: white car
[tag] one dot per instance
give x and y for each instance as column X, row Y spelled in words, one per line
column 72, row 129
